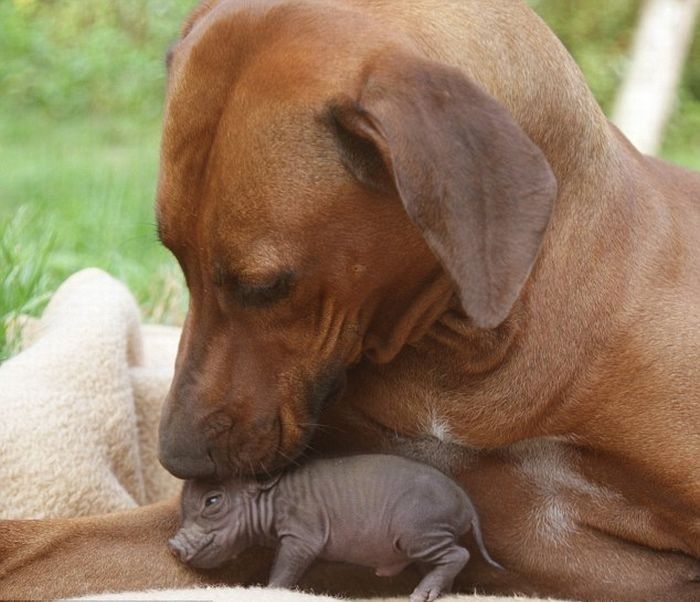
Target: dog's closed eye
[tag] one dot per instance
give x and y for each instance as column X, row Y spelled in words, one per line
column 249, row 294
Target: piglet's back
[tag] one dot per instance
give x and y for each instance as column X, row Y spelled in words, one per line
column 373, row 495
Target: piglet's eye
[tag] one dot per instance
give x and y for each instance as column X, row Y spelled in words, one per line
column 212, row 500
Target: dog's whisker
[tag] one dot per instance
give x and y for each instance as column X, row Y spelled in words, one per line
column 250, row 465
column 264, row 469
column 312, row 448
column 321, row 426
column 288, row 458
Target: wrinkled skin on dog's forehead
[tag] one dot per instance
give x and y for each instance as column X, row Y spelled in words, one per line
column 281, row 296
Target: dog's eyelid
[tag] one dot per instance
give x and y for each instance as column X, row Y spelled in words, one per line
column 223, row 276
column 261, row 292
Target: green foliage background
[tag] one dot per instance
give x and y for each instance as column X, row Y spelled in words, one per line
column 598, row 33
column 81, row 92
column 67, row 58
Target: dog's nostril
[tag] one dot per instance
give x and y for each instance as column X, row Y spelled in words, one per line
column 183, row 452
column 182, row 447
column 198, row 466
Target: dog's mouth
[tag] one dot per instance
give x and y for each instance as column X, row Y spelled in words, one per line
column 261, row 452
column 327, row 387
column 285, row 457
column 325, row 391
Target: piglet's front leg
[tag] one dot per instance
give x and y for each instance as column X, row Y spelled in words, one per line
column 294, row 556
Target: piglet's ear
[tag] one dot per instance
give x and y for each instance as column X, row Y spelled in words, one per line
column 477, row 187
column 257, row 486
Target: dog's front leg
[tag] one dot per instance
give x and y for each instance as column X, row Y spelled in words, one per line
column 127, row 551
column 57, row 558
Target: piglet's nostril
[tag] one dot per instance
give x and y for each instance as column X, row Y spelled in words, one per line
column 177, row 549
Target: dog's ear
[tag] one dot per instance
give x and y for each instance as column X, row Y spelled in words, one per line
column 270, row 482
column 253, row 487
column 478, row 188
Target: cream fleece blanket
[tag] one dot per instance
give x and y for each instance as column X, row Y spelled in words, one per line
column 80, row 407
column 257, row 594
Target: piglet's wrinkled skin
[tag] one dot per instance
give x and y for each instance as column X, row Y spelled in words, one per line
column 380, row 511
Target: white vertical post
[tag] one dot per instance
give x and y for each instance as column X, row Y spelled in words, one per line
column 646, row 99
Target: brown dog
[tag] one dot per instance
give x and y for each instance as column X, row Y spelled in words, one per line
column 423, row 199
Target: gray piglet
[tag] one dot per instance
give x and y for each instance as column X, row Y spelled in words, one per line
column 380, row 511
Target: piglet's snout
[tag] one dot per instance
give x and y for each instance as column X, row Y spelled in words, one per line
column 188, row 547
column 177, row 549
column 184, row 546
column 181, row 547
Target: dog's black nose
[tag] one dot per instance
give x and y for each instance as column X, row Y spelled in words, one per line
column 183, row 452
column 187, row 467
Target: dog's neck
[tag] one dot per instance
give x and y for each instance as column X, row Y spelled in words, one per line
column 480, row 351
column 433, row 321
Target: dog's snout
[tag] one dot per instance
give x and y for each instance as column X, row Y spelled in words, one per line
column 183, row 451
column 246, row 425
column 188, row 467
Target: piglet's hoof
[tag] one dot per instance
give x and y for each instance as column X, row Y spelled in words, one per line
column 425, row 595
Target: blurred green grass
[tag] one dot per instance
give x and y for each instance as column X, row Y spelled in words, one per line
column 598, row 33
column 80, row 110
column 75, row 194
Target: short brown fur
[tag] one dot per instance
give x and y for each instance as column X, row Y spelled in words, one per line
column 571, row 417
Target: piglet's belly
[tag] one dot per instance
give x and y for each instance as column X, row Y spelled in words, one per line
column 373, row 552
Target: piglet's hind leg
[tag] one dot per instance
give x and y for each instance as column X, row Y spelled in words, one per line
column 446, row 565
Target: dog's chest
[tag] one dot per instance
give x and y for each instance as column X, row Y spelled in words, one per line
column 563, row 496
column 565, row 503
column 438, row 426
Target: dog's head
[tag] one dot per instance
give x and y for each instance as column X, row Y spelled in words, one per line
column 326, row 191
